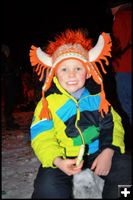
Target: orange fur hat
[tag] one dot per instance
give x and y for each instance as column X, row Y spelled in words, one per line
column 71, row 44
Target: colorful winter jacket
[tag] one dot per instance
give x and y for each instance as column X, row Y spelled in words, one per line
column 74, row 122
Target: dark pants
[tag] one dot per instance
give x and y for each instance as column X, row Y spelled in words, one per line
column 52, row 183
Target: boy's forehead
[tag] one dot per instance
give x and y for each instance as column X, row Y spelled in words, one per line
column 70, row 62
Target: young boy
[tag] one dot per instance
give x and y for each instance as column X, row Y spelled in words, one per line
column 73, row 128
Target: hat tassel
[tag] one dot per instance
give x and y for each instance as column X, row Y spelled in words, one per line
column 45, row 112
column 104, row 104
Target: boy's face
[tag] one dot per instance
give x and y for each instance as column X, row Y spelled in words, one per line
column 71, row 75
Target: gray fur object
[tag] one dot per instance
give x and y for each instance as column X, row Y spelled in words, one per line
column 86, row 185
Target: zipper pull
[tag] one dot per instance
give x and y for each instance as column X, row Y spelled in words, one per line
column 78, row 112
column 80, row 156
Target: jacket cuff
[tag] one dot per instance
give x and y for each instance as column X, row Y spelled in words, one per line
column 49, row 162
column 115, row 148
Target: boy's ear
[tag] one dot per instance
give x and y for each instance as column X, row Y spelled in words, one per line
column 88, row 75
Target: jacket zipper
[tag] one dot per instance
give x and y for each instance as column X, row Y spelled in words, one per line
column 82, row 147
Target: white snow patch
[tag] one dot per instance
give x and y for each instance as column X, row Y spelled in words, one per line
column 19, row 164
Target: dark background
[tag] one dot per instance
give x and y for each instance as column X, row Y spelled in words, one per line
column 36, row 22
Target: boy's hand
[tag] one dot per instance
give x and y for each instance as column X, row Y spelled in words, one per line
column 102, row 164
column 68, row 166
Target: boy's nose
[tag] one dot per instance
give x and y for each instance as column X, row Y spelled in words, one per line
column 72, row 73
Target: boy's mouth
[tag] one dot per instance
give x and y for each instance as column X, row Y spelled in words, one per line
column 72, row 82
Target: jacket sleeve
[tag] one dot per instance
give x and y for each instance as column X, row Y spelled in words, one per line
column 43, row 139
column 112, row 132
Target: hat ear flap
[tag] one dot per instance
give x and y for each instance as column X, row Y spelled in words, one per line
column 96, row 54
column 104, row 104
column 42, row 61
column 49, row 77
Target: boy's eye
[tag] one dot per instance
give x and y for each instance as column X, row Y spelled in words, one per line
column 63, row 69
column 78, row 68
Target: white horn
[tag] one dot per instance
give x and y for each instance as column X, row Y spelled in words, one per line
column 43, row 57
column 96, row 50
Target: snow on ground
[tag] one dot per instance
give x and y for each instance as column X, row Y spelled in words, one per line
column 19, row 164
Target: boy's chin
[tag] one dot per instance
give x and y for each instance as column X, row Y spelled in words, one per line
column 73, row 88
column 72, row 91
